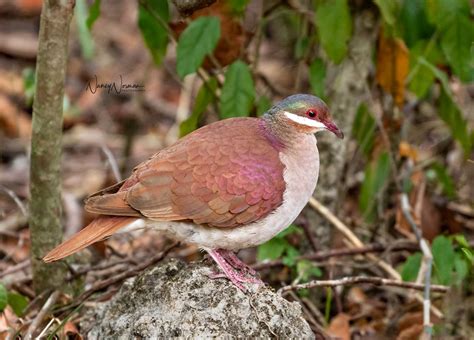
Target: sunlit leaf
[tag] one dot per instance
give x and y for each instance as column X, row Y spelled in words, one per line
column 204, row 97
column 411, row 267
column 197, row 40
column 388, row 9
column 29, row 85
column 443, row 12
column 85, row 37
column 443, row 256
column 291, row 253
column 151, row 19
column 18, row 303
column 334, row 27
column 272, row 249
column 94, row 12
column 363, row 129
column 317, row 76
column 3, row 297
column 238, row 92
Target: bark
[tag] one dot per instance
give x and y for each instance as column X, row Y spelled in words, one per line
column 347, row 89
column 45, row 176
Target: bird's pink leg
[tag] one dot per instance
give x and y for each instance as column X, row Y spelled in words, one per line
column 235, row 262
column 229, row 272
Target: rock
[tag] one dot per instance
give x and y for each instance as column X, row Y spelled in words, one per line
column 179, row 300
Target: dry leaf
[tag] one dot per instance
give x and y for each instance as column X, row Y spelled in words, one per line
column 14, row 122
column 392, row 66
column 339, row 327
column 408, row 151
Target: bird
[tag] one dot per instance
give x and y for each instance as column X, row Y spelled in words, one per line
column 229, row 185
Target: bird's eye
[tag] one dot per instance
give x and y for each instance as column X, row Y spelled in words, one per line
column 311, row 113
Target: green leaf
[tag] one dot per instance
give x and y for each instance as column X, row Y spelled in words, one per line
column 292, row 229
column 18, row 303
column 272, row 249
column 94, row 12
column 376, row 175
column 422, row 77
column 334, row 27
column 263, row 105
column 388, row 9
column 291, row 253
column 413, row 22
column 306, row 270
column 363, row 129
column 237, row 6
column 411, row 267
column 445, row 180
column 150, row 21
column 317, row 76
column 85, row 38
column 204, row 97
column 461, row 267
column 449, row 111
column 197, row 40
column 238, row 92
column 443, row 256
column 29, row 84
column 456, row 44
column 3, row 297
column 443, row 12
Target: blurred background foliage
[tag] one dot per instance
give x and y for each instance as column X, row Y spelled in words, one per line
column 412, row 133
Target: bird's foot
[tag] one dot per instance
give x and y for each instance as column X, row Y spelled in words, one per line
column 235, row 262
column 228, row 264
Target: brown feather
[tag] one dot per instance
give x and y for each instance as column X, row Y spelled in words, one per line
column 97, row 230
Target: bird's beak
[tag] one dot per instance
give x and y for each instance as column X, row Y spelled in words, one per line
column 330, row 126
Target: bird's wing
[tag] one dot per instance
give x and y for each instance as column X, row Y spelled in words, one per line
column 225, row 176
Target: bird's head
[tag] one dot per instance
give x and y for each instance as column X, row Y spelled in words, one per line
column 304, row 113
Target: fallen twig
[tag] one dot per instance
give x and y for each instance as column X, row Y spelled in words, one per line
column 40, row 316
column 428, row 261
column 378, row 281
column 354, row 240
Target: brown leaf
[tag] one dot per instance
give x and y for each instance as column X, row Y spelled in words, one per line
column 408, row 151
column 339, row 327
column 392, row 66
column 13, row 121
column 70, row 332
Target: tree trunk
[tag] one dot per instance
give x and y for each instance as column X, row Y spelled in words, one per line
column 45, row 174
column 347, row 89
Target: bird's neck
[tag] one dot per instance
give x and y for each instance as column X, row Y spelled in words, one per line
column 281, row 136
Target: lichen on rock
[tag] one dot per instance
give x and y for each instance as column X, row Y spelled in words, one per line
column 175, row 299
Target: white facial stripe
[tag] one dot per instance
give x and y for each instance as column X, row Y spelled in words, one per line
column 304, row 121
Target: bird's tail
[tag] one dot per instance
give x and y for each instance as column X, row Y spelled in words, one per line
column 98, row 230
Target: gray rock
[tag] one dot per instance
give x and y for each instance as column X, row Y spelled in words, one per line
column 179, row 300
